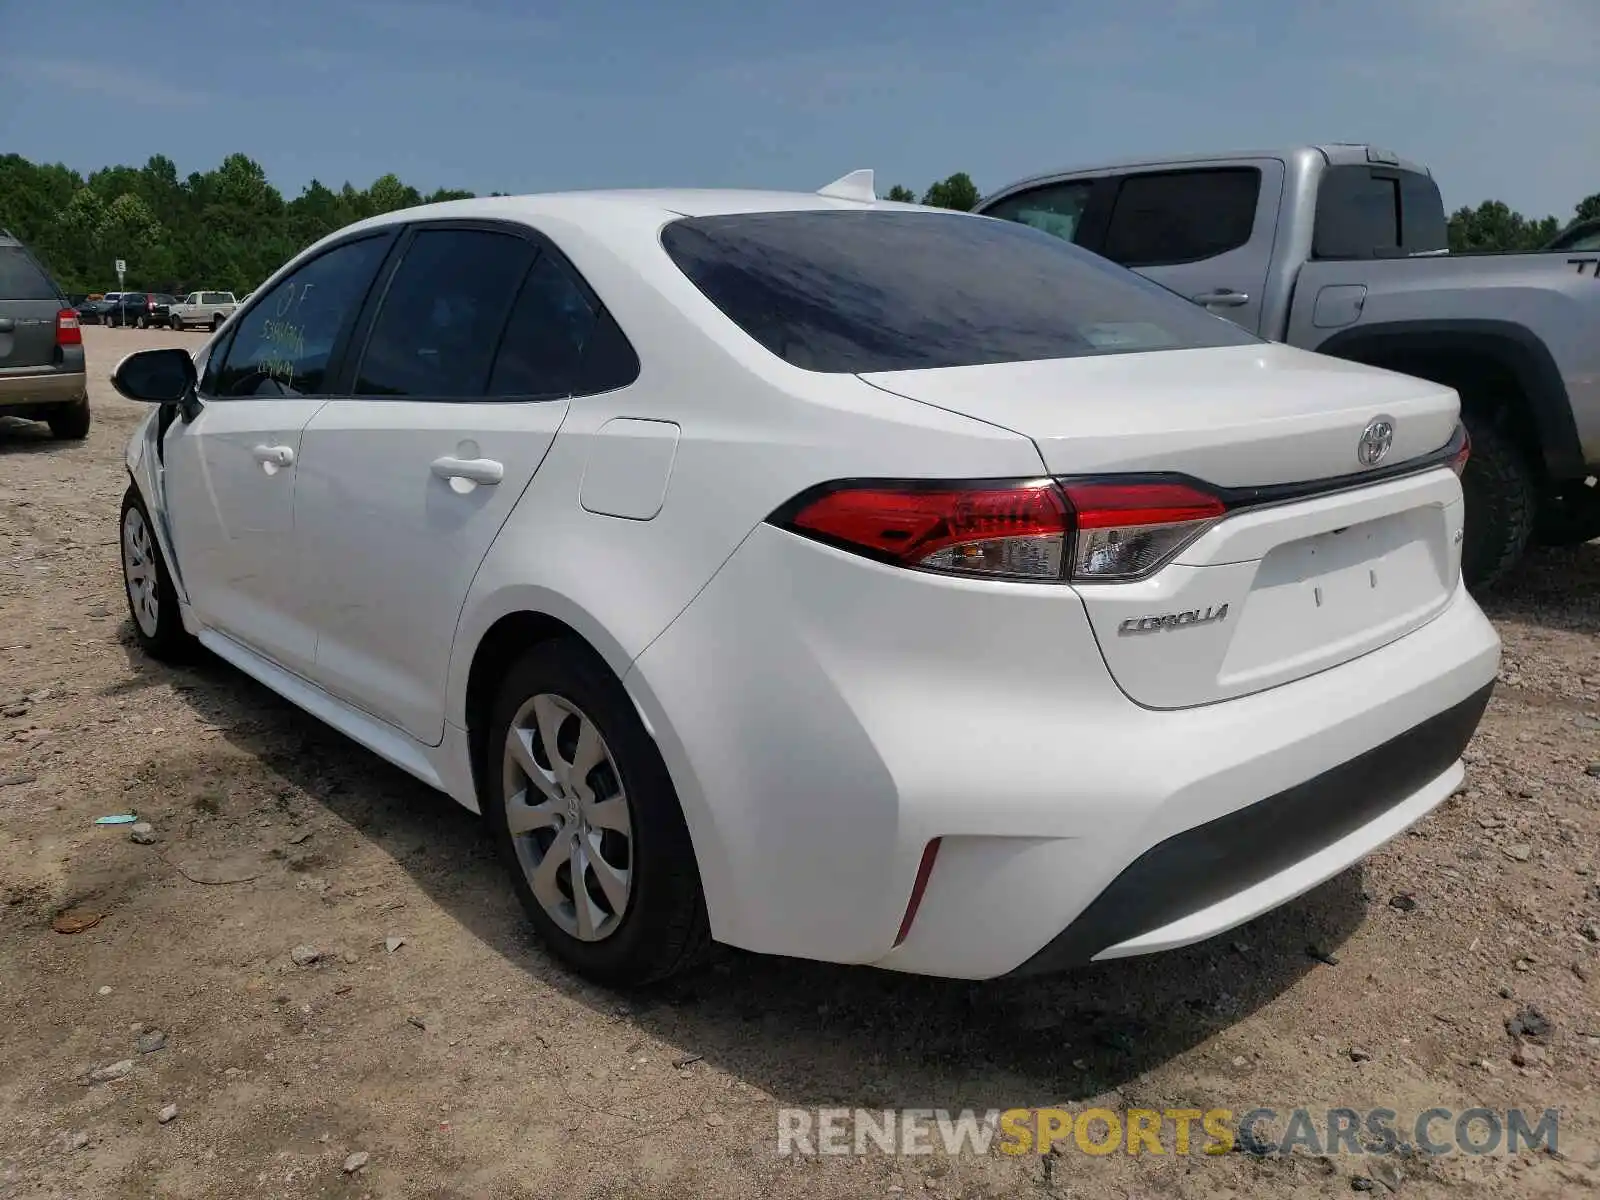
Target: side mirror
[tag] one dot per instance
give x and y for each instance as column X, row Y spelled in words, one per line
column 156, row 376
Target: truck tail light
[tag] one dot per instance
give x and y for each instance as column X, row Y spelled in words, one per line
column 68, row 332
column 1037, row 529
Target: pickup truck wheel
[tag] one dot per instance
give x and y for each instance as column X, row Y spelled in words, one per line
column 1568, row 518
column 1500, row 505
column 69, row 421
column 216, row 324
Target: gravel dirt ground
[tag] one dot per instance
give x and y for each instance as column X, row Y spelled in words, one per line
column 462, row 1062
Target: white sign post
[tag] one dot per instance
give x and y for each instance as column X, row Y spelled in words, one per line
column 122, row 269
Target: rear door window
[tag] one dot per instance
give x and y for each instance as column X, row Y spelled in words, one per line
column 842, row 291
column 443, row 315
column 1172, row 217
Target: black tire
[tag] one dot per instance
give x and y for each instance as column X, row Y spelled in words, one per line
column 1501, row 501
column 69, row 421
column 176, row 323
column 163, row 637
column 1569, row 517
column 216, row 324
column 663, row 928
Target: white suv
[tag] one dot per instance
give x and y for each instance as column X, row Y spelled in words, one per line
column 825, row 576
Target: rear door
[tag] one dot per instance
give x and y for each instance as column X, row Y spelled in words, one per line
column 29, row 303
column 473, row 351
column 1206, row 232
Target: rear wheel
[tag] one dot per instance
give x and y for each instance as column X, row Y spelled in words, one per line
column 587, row 820
column 1500, row 505
column 70, row 421
column 152, row 600
column 1569, row 517
column 216, row 324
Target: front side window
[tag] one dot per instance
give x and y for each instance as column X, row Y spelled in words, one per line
column 1055, row 208
column 283, row 345
column 843, row 291
column 443, row 314
column 1173, row 217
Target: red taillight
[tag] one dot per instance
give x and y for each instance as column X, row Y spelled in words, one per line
column 1010, row 529
column 1458, row 464
column 1129, row 530
column 1022, row 529
column 67, row 331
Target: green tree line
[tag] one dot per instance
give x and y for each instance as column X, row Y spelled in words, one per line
column 230, row 227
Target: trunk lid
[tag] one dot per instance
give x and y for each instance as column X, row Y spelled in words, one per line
column 1270, row 593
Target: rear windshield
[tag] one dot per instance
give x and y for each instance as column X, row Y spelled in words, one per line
column 1378, row 212
column 843, row 291
column 20, row 279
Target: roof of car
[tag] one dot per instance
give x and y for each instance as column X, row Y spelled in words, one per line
column 667, row 202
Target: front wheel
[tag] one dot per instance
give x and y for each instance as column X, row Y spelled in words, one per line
column 1500, row 505
column 581, row 805
column 152, row 600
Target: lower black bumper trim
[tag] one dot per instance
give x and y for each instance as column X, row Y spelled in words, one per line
column 1198, row 867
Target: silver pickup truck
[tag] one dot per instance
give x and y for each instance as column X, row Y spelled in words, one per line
column 1342, row 249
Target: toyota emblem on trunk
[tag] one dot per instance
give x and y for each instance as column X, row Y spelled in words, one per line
column 1375, row 441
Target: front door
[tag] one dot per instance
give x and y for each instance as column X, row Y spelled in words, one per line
column 459, row 393
column 231, row 471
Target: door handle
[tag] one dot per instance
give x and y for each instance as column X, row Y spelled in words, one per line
column 475, row 470
column 1222, row 298
column 274, row 456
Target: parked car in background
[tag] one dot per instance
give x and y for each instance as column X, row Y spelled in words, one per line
column 94, row 310
column 1342, row 249
column 42, row 376
column 1103, row 625
column 209, row 309
column 142, row 310
column 1580, row 235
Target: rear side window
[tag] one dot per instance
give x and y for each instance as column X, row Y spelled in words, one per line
column 283, row 345
column 543, row 350
column 215, row 298
column 443, row 314
column 1177, row 217
column 842, row 290
column 1377, row 212
column 1055, row 208
column 21, row 279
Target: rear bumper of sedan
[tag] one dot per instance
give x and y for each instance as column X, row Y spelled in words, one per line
column 825, row 718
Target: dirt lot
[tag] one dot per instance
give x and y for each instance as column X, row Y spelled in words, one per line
column 464, row 1063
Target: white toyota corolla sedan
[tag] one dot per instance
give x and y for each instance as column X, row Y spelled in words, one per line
column 821, row 576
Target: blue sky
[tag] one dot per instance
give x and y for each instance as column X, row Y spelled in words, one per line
column 1499, row 96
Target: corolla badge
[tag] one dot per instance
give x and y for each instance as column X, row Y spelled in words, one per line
column 1175, row 620
column 1375, row 441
